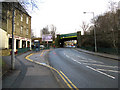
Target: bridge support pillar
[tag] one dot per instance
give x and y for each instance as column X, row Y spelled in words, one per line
column 57, row 43
column 79, row 39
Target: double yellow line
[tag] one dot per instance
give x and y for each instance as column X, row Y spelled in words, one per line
column 60, row 73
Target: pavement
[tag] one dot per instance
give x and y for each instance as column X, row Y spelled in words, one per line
column 28, row 74
column 115, row 57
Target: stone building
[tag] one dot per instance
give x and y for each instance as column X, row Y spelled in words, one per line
column 22, row 27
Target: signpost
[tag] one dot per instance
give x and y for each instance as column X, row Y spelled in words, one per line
column 47, row 38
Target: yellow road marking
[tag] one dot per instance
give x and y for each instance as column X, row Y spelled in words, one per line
column 61, row 77
column 42, row 53
column 69, row 80
column 65, row 80
column 27, row 57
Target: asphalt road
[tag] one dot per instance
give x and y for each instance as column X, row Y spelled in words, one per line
column 85, row 70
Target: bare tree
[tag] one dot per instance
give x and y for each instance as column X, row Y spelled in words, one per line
column 112, row 6
column 45, row 30
column 29, row 5
column 53, row 31
column 32, row 34
column 84, row 27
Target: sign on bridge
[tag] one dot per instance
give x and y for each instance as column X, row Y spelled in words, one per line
column 71, row 35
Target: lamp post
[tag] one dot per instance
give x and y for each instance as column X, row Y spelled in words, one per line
column 94, row 31
column 12, row 54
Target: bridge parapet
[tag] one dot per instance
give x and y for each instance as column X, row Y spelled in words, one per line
column 71, row 36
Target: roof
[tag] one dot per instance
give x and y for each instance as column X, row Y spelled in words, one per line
column 17, row 5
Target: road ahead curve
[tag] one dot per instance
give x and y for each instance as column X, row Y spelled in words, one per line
column 85, row 70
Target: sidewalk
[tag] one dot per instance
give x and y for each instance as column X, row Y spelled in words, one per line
column 28, row 74
column 115, row 57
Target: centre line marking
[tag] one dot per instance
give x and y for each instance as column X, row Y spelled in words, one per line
column 101, row 72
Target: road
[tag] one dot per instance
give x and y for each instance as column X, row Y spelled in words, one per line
column 85, row 70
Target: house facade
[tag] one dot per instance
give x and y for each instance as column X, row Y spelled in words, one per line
column 22, row 27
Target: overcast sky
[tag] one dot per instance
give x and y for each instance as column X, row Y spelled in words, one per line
column 66, row 15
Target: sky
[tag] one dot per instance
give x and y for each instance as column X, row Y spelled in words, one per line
column 66, row 15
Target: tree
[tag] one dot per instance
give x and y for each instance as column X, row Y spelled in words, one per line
column 84, row 27
column 53, row 31
column 45, row 30
column 32, row 34
column 112, row 6
column 107, row 27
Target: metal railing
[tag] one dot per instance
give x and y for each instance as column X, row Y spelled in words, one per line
column 103, row 50
column 22, row 50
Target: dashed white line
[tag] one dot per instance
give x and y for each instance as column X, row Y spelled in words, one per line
column 101, row 72
column 109, row 70
column 97, row 70
column 101, row 65
column 75, row 60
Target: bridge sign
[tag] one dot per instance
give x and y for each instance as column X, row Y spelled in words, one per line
column 70, row 35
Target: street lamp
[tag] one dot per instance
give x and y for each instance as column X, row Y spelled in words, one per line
column 94, row 30
column 13, row 54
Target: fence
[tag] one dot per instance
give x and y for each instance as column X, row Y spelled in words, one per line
column 22, row 50
column 103, row 50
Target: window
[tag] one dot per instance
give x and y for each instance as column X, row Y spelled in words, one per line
column 27, row 31
column 27, row 20
column 21, row 17
column 21, row 30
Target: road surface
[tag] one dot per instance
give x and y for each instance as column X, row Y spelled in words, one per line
column 85, row 70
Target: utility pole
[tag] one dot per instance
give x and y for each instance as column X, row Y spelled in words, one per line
column 95, row 33
column 94, row 30
column 13, row 54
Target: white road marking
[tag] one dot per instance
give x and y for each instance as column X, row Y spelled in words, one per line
column 109, row 70
column 81, row 57
column 75, row 60
column 72, row 59
column 89, row 61
column 101, row 65
column 101, row 72
column 96, row 61
column 86, row 59
column 97, row 70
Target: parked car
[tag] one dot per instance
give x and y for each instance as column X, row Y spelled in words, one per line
column 42, row 46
